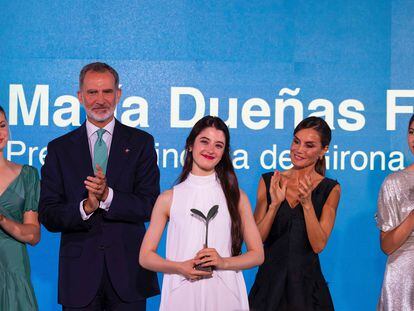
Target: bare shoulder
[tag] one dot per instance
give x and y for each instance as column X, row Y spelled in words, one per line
column 336, row 190
column 410, row 167
column 261, row 181
column 244, row 201
column 333, row 197
column 163, row 204
column 14, row 167
column 243, row 196
column 166, row 197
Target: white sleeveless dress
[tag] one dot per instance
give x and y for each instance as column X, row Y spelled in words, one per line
column 226, row 289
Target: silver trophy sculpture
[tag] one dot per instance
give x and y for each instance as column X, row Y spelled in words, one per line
column 210, row 215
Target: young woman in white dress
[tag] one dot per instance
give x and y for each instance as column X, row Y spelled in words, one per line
column 207, row 180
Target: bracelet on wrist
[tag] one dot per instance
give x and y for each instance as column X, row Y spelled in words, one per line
column 272, row 206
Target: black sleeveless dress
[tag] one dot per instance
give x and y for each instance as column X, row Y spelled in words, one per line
column 290, row 277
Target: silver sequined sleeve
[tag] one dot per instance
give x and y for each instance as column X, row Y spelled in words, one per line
column 395, row 200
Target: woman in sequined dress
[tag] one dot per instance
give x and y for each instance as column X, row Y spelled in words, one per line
column 395, row 219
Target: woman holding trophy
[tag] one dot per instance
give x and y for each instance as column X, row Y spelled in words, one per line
column 209, row 217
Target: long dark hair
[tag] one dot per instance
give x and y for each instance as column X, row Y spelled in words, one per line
column 225, row 173
column 324, row 131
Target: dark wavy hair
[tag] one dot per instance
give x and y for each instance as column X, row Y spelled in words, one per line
column 225, row 173
column 324, row 131
column 98, row 67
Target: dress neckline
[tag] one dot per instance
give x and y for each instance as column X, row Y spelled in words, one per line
column 13, row 181
column 297, row 204
column 202, row 181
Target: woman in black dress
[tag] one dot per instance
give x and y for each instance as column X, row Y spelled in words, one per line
column 295, row 213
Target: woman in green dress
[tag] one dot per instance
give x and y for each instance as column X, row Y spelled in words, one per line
column 19, row 196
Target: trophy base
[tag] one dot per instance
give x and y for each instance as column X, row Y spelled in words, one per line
column 200, row 268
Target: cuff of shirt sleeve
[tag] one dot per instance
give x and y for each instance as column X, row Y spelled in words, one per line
column 107, row 203
column 82, row 211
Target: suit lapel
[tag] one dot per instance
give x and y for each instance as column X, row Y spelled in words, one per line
column 118, row 154
column 81, row 153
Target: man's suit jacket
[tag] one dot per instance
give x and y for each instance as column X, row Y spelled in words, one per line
column 113, row 237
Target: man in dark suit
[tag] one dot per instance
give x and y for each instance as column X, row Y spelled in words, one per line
column 99, row 184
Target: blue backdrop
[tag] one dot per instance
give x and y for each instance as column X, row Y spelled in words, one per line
column 260, row 65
